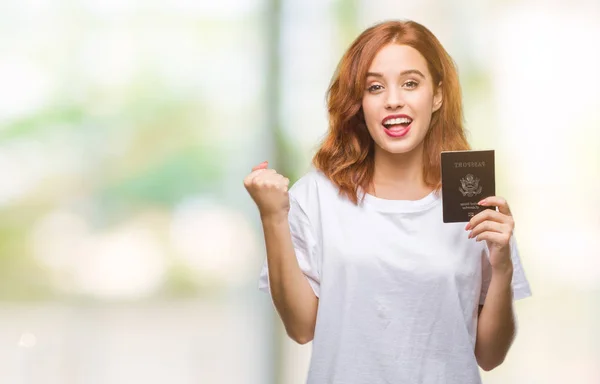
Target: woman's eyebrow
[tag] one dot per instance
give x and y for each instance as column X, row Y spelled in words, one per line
column 403, row 73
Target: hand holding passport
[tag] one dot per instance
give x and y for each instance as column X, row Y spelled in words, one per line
column 467, row 178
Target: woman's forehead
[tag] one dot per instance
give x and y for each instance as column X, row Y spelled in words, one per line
column 396, row 58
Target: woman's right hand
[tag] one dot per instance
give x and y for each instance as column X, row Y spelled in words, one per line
column 269, row 190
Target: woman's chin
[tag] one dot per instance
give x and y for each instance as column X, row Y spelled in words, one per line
column 397, row 148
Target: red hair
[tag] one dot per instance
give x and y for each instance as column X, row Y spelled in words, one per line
column 346, row 153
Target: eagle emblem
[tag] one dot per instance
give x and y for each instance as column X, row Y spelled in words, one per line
column 470, row 186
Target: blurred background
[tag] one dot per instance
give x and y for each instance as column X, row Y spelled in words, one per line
column 129, row 249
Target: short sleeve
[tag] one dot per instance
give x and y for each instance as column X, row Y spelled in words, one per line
column 306, row 247
column 520, row 284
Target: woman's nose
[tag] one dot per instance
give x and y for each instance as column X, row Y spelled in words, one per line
column 394, row 100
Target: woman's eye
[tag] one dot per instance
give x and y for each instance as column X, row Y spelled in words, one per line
column 374, row 87
column 411, row 84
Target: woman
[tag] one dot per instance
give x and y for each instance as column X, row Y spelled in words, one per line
column 358, row 258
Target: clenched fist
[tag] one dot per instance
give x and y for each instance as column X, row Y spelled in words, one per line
column 269, row 190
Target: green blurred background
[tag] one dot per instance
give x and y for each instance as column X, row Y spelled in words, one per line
column 129, row 249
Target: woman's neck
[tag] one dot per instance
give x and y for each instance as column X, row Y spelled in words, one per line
column 399, row 176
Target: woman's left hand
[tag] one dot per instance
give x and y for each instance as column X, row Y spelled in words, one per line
column 496, row 228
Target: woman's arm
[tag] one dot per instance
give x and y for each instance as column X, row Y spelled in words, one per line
column 496, row 323
column 496, row 327
column 292, row 295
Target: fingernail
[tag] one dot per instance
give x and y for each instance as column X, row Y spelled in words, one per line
column 470, row 234
column 468, row 226
column 482, row 202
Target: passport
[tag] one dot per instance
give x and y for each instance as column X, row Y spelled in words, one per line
column 467, row 178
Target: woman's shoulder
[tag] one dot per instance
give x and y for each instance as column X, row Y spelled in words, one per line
column 310, row 194
column 314, row 181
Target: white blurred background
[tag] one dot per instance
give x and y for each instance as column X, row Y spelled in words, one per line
column 129, row 249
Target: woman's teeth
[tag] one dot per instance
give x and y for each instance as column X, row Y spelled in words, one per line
column 398, row 121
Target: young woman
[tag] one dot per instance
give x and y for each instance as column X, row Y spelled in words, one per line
column 358, row 258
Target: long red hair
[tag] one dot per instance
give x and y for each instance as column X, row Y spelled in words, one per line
column 346, row 153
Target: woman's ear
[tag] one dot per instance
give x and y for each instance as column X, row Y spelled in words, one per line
column 438, row 97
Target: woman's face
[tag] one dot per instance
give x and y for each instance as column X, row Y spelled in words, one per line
column 399, row 99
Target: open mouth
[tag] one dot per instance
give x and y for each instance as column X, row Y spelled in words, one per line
column 397, row 127
column 398, row 123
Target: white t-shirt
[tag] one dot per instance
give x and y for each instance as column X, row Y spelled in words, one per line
column 398, row 289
